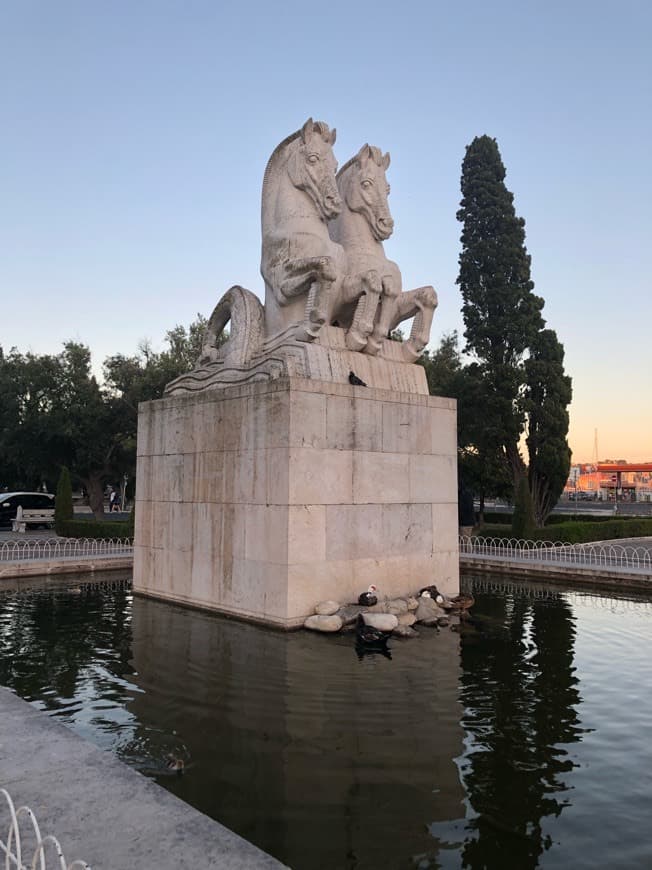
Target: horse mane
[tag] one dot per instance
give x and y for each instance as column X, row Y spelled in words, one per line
column 376, row 155
column 321, row 127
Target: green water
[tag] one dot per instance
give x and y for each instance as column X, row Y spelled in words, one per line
column 521, row 742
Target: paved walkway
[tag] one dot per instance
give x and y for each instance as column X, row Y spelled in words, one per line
column 102, row 811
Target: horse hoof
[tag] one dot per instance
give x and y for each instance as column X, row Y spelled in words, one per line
column 355, row 340
column 307, row 331
column 373, row 346
column 411, row 350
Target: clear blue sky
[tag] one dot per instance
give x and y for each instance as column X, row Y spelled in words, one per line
column 135, row 134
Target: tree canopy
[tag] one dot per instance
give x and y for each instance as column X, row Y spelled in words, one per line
column 55, row 413
column 480, row 467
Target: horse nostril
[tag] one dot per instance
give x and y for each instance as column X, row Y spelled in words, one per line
column 386, row 222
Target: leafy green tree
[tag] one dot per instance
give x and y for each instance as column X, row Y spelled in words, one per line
column 504, row 328
column 143, row 376
column 443, row 366
column 53, row 411
column 31, row 391
column 98, row 442
column 63, row 509
column 480, row 465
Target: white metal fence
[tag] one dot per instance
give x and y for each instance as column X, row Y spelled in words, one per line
column 615, row 557
column 25, row 848
column 48, row 549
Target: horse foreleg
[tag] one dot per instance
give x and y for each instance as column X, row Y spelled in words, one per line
column 316, row 310
column 421, row 303
column 388, row 309
column 357, row 337
column 323, row 274
column 302, row 271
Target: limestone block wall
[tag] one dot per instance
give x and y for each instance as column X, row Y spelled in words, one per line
column 260, row 500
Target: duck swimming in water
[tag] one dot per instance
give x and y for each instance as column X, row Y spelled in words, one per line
column 369, row 598
column 176, row 765
column 431, row 592
column 370, row 641
column 368, row 634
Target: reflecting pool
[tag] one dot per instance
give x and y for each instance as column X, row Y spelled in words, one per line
column 518, row 742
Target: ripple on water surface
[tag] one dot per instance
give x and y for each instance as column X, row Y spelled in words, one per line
column 510, row 745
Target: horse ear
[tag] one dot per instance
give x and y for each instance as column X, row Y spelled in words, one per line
column 386, row 161
column 333, row 135
column 364, row 153
column 307, row 130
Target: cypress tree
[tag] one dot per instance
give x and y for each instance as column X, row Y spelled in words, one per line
column 523, row 518
column 63, row 510
column 548, row 392
column 519, row 365
column 501, row 313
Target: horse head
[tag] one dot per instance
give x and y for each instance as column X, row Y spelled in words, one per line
column 312, row 166
column 365, row 189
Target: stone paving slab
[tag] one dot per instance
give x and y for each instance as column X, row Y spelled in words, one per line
column 103, row 811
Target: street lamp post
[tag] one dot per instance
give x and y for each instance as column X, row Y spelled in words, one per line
column 616, row 492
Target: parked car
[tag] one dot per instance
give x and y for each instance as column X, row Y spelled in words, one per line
column 10, row 501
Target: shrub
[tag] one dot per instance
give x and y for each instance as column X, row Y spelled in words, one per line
column 63, row 510
column 578, row 532
column 131, row 522
column 498, row 518
column 94, row 529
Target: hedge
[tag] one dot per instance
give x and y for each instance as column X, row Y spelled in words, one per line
column 506, row 518
column 578, row 532
column 94, row 529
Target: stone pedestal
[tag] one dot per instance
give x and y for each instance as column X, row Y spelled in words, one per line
column 260, row 500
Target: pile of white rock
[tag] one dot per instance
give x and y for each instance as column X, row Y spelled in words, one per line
column 395, row 615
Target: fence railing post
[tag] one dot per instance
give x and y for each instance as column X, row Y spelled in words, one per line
column 615, row 556
column 17, row 849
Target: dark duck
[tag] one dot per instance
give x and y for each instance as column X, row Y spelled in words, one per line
column 176, row 765
column 369, row 634
column 431, row 592
column 370, row 640
column 369, row 598
column 461, row 604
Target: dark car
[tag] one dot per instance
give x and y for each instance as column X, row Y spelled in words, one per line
column 10, row 501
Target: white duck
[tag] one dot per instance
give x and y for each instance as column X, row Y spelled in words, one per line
column 369, row 598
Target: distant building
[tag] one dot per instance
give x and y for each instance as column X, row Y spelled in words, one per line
column 608, row 480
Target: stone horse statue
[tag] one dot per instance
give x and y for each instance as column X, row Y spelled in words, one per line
column 361, row 227
column 323, row 264
column 299, row 259
column 307, row 273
